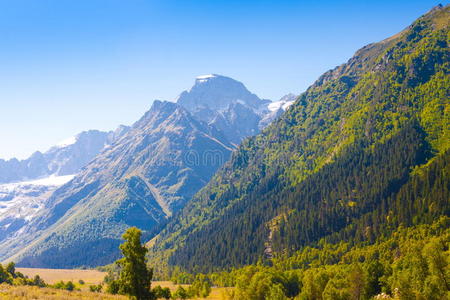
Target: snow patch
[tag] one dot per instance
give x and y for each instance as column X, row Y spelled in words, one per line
column 48, row 182
column 283, row 103
column 287, row 104
column 274, row 106
column 26, row 200
column 67, row 142
column 205, row 78
column 52, row 180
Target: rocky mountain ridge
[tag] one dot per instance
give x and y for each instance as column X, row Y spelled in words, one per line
column 142, row 178
column 66, row 158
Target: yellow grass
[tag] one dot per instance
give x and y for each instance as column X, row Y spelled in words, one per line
column 219, row 293
column 54, row 275
column 90, row 277
column 216, row 293
column 8, row 292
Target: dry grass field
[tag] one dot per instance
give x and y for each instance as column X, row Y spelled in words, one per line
column 90, row 277
column 54, row 275
column 8, row 292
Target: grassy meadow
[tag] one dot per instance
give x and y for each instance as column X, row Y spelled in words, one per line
column 52, row 276
column 89, row 277
column 9, row 292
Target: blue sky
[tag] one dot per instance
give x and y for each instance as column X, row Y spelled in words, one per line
column 68, row 66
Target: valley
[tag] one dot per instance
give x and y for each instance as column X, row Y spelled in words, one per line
column 88, row 277
column 340, row 192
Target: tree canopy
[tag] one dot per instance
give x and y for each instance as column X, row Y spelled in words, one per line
column 134, row 276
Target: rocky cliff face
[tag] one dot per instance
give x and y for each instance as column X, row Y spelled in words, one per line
column 216, row 93
column 226, row 104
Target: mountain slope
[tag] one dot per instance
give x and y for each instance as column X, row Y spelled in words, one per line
column 21, row 202
column 339, row 156
column 26, row 185
column 137, row 181
column 146, row 174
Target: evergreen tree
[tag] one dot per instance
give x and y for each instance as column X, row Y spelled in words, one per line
column 4, row 275
column 134, row 278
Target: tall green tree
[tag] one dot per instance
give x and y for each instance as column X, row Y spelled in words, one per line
column 134, row 277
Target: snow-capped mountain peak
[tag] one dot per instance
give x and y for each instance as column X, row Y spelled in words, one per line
column 216, row 92
column 226, row 104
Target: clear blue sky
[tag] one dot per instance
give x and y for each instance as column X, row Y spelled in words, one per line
column 68, row 66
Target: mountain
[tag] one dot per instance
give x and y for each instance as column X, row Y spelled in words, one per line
column 26, row 185
column 144, row 176
column 362, row 152
column 139, row 180
column 66, row 158
column 215, row 92
column 225, row 104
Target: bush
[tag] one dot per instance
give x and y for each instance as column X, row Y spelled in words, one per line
column 161, row 293
column 9, row 275
column 201, row 287
column 69, row 286
column 38, row 281
column 96, row 288
column 5, row 276
column 180, row 293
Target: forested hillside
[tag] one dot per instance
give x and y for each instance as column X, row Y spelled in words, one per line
column 363, row 151
column 409, row 264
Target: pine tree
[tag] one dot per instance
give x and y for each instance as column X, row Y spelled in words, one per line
column 134, row 278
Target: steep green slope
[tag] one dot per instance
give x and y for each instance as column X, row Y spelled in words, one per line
column 351, row 197
column 334, row 164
